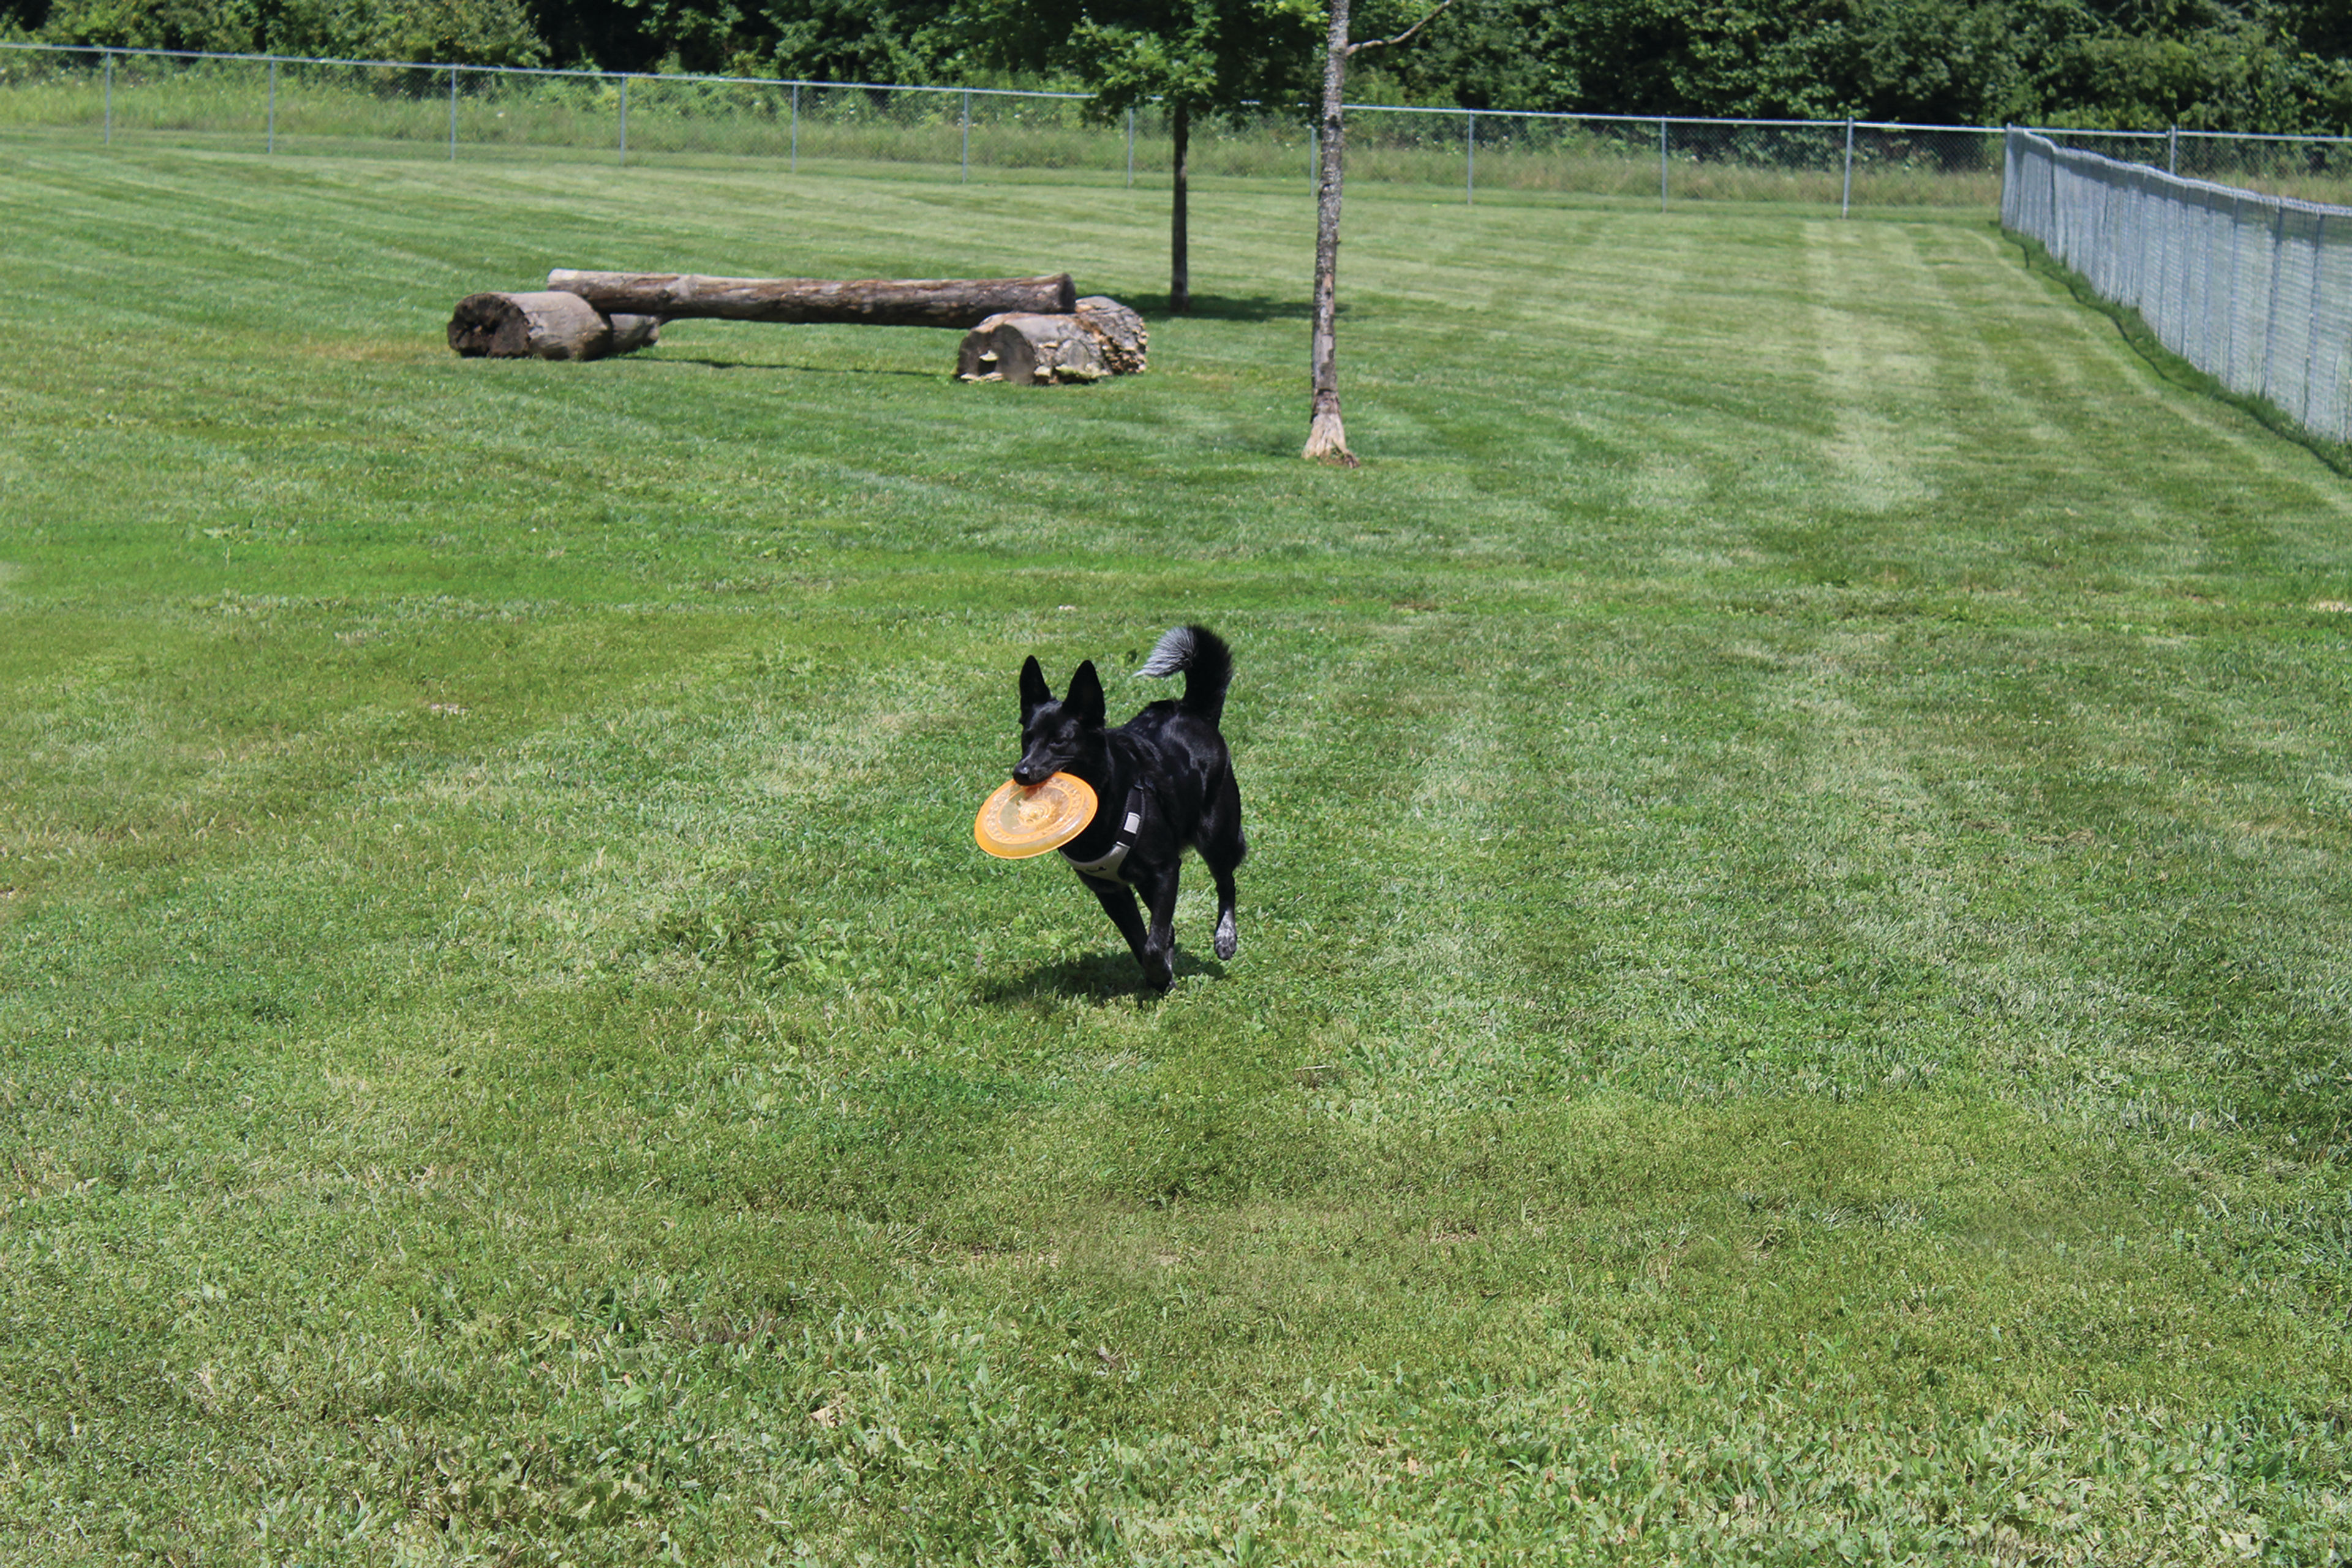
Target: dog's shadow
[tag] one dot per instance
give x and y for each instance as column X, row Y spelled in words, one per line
column 1098, row 978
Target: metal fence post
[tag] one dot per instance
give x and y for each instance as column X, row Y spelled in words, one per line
column 273, row 103
column 1315, row 156
column 2172, row 150
column 2271, row 316
column 624, row 122
column 1130, row 148
column 2306, row 414
column 966, row 174
column 1470, row 158
column 2053, row 164
column 110, row 99
column 796, row 129
column 1661, row 162
column 453, row 114
column 1845, row 201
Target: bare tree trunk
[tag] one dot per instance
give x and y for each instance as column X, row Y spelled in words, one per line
column 1179, row 263
column 1327, row 438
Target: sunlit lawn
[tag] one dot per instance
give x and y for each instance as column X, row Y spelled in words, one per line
column 1794, row 981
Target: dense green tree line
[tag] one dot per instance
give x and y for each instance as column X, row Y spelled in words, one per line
column 2246, row 65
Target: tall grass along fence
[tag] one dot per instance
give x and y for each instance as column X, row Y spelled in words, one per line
column 2253, row 290
column 376, row 108
column 280, row 104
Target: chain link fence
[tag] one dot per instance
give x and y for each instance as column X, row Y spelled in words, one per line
column 390, row 109
column 376, row 108
column 2253, row 290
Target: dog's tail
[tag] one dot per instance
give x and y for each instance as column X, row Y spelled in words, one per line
column 1207, row 664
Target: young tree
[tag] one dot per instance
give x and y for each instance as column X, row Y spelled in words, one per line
column 1194, row 57
column 1326, row 437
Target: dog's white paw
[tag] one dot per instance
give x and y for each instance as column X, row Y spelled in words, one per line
column 1228, row 940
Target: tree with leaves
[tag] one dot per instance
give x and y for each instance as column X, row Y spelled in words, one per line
column 1195, row 58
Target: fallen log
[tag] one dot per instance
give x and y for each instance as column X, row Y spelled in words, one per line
column 551, row 325
column 1100, row 337
column 871, row 301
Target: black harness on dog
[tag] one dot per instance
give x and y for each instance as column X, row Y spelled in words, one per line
column 1110, row 867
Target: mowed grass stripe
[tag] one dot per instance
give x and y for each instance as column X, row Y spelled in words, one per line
column 2070, row 385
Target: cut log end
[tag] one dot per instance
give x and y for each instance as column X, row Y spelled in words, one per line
column 1119, row 333
column 547, row 325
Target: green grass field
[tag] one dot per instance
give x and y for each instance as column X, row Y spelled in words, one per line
column 1795, row 970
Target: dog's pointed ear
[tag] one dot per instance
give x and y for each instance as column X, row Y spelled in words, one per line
column 1034, row 691
column 1086, row 698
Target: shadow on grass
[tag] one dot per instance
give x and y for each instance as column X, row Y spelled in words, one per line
column 801, row 369
column 1230, row 307
column 1102, row 977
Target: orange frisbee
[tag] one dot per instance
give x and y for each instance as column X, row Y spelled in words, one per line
column 1019, row 821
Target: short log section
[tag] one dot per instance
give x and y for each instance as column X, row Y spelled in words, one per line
column 871, row 301
column 1027, row 348
column 1097, row 338
column 551, row 325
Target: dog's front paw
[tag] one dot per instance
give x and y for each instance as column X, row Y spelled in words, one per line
column 1159, row 973
column 1228, row 940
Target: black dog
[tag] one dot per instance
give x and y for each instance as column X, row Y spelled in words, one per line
column 1162, row 780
